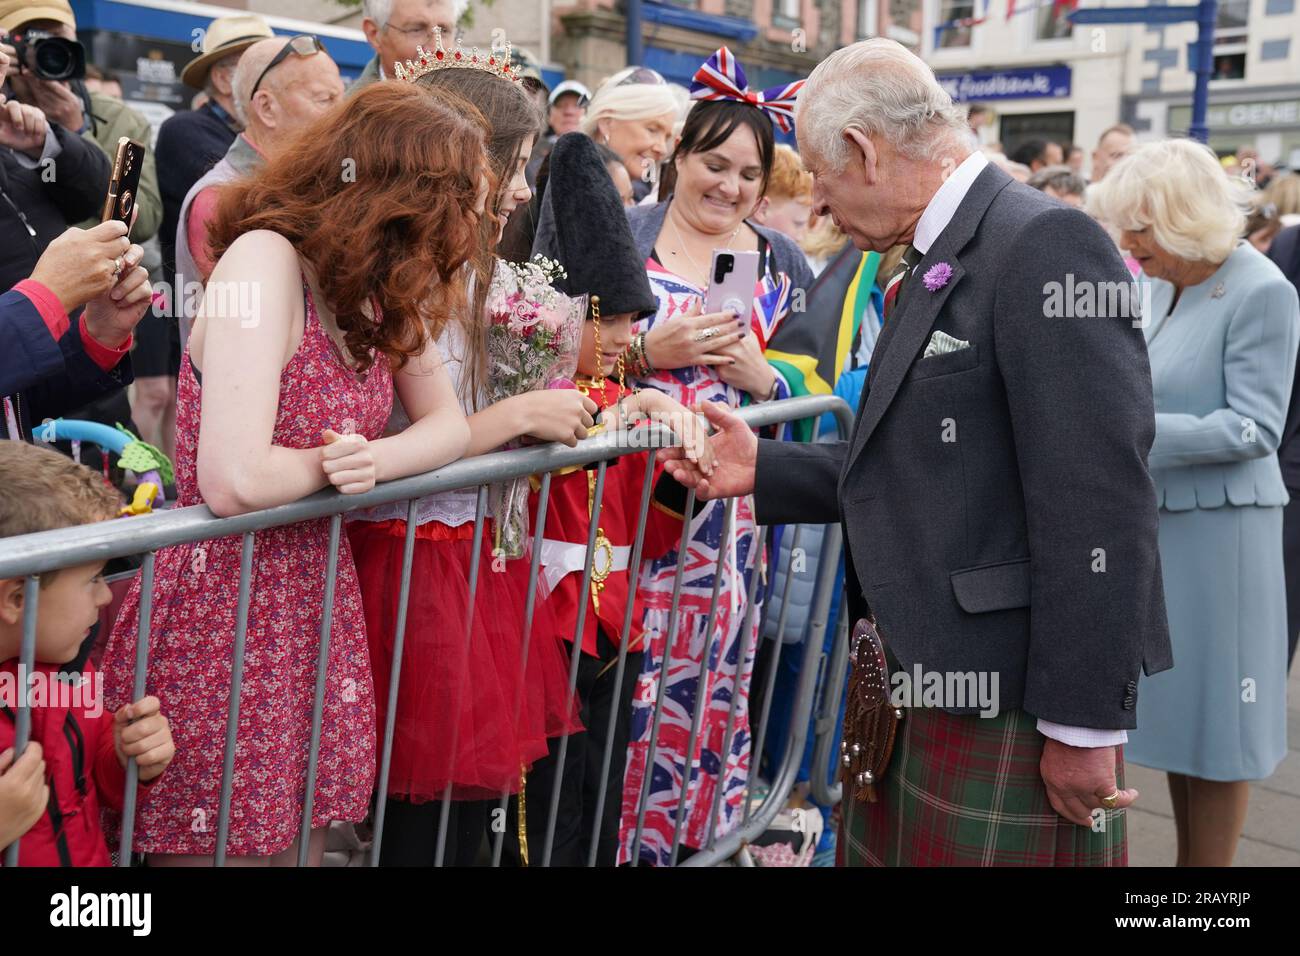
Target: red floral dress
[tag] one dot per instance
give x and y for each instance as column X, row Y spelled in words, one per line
column 196, row 593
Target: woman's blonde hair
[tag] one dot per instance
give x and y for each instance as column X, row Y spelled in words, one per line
column 789, row 180
column 1284, row 193
column 824, row 239
column 628, row 101
column 1178, row 188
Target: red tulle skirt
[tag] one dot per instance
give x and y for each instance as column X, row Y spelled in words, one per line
column 472, row 695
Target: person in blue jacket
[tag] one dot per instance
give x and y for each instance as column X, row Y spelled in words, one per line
column 50, row 364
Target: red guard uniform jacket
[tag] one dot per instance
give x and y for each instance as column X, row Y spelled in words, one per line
column 568, row 519
column 81, row 767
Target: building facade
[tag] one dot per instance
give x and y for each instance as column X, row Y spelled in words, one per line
column 1041, row 76
column 777, row 40
column 1255, row 92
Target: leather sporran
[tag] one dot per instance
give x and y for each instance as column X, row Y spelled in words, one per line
column 870, row 720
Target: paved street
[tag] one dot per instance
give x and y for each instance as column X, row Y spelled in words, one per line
column 1272, row 835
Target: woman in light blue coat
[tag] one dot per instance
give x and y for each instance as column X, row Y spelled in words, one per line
column 1222, row 324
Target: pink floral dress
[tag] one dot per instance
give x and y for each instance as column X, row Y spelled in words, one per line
column 196, row 594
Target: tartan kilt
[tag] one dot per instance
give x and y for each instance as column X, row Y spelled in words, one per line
column 963, row 790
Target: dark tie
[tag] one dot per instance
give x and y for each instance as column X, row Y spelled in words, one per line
column 898, row 278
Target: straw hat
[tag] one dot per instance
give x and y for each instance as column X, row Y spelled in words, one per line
column 14, row 13
column 224, row 36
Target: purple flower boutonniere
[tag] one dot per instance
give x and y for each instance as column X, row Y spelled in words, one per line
column 937, row 276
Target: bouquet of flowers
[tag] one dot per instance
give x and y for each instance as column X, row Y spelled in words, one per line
column 533, row 336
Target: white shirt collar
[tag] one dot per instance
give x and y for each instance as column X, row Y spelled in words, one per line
column 943, row 204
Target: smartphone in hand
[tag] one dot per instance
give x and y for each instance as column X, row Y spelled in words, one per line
column 733, row 276
column 125, row 181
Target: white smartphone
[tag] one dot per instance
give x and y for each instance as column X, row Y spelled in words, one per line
column 733, row 277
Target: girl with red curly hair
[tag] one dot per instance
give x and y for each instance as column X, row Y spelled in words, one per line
column 339, row 262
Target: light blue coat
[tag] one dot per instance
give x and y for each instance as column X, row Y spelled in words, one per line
column 1222, row 371
column 1222, row 367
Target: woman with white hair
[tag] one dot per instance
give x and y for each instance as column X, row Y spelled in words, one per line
column 633, row 113
column 1222, row 327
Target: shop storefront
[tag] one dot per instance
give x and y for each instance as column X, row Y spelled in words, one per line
column 146, row 43
column 1030, row 102
column 1272, row 126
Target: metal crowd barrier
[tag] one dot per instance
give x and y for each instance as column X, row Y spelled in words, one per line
column 32, row 555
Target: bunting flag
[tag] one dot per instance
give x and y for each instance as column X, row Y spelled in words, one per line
column 811, row 349
column 770, row 305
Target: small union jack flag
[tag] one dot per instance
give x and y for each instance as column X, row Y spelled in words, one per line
column 723, row 78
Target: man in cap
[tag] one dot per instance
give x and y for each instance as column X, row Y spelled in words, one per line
column 50, row 177
column 396, row 27
column 107, row 121
column 566, row 109
column 189, row 144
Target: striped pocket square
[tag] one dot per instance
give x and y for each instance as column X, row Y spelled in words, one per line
column 941, row 343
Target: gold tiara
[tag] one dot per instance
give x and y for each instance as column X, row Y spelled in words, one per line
column 440, row 58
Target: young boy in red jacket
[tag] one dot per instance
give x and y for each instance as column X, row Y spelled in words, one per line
column 582, row 226
column 75, row 760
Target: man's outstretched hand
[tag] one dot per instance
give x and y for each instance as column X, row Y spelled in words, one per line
column 735, row 449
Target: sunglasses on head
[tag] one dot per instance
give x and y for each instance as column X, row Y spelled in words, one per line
column 304, row 44
column 642, row 74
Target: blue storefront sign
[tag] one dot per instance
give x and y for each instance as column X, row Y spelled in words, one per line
column 1034, row 82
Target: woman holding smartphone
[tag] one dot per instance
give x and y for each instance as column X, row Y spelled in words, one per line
column 720, row 171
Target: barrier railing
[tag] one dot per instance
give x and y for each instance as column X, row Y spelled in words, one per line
column 32, row 555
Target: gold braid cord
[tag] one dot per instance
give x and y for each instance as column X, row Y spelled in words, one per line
column 523, row 817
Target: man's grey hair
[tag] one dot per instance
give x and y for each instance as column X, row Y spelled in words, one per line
column 381, row 10
column 881, row 88
column 1062, row 179
column 377, row 10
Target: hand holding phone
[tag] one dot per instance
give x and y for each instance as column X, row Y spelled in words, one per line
column 125, row 182
column 733, row 275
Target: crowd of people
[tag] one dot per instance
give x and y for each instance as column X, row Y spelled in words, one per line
column 386, row 238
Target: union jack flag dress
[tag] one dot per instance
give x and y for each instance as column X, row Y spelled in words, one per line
column 730, row 653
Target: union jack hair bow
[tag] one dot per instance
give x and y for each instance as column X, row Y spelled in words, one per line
column 722, row 78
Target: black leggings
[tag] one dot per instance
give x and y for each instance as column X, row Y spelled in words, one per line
column 576, row 816
column 411, row 832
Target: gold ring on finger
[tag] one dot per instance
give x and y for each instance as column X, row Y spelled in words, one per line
column 705, row 334
column 1111, row 802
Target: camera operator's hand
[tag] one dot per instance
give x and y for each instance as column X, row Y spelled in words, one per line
column 54, row 98
column 83, row 263
column 22, row 128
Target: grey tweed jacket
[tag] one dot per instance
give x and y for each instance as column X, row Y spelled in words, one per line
column 997, row 505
